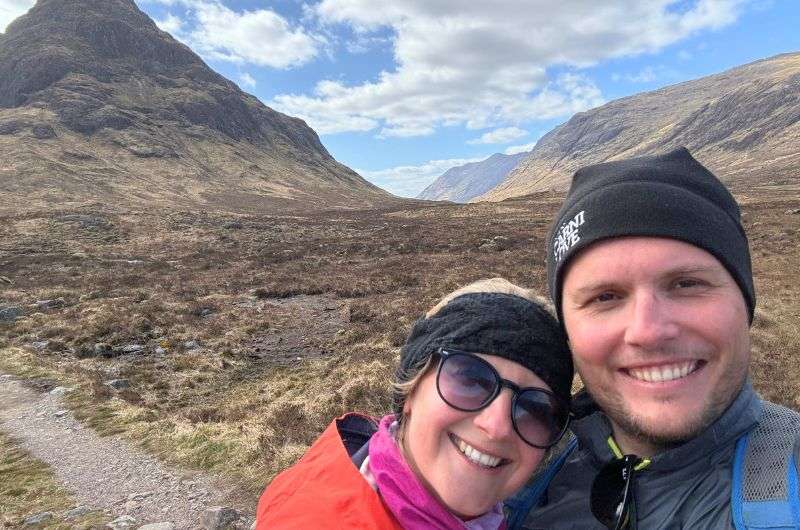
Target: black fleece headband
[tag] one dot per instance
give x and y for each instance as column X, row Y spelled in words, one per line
column 670, row 195
column 498, row 324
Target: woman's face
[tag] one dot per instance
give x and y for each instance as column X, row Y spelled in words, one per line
column 436, row 437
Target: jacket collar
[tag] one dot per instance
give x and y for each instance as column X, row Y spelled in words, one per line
column 593, row 429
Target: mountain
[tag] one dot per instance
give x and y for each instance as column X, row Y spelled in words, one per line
column 744, row 124
column 462, row 183
column 99, row 105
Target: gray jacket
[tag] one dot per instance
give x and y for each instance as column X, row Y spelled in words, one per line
column 688, row 487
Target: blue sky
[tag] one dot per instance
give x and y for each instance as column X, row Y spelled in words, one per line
column 402, row 90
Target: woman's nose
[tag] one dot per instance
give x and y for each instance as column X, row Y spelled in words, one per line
column 495, row 420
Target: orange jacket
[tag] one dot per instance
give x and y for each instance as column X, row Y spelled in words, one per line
column 324, row 490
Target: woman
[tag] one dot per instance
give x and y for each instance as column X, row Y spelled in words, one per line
column 481, row 392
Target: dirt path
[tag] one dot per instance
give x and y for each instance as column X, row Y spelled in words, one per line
column 106, row 473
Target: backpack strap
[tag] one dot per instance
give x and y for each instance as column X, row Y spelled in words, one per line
column 765, row 493
column 531, row 495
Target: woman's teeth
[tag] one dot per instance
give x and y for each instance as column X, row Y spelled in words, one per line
column 478, row 457
column 660, row 374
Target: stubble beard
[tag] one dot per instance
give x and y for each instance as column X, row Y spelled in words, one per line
column 646, row 431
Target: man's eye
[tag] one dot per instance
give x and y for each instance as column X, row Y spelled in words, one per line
column 688, row 283
column 604, row 297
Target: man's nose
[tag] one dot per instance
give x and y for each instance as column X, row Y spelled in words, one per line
column 495, row 420
column 651, row 321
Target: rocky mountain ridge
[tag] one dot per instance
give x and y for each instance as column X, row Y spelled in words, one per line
column 744, row 124
column 98, row 104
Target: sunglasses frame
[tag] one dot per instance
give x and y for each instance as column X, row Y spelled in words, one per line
column 446, row 353
column 621, row 517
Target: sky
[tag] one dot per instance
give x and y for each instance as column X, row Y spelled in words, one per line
column 402, row 90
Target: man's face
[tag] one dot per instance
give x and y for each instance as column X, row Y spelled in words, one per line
column 659, row 333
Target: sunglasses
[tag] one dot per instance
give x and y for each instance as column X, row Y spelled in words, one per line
column 612, row 492
column 469, row 383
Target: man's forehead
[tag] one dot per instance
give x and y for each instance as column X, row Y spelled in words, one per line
column 631, row 252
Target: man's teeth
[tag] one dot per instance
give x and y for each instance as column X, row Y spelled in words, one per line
column 660, row 374
column 478, row 457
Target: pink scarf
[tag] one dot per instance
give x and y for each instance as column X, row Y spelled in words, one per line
column 410, row 502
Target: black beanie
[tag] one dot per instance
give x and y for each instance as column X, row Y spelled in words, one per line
column 500, row 324
column 670, row 195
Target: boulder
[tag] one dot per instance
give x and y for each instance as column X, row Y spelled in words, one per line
column 44, row 305
column 43, row 132
column 122, row 523
column 218, row 518
column 119, row 384
column 35, row 521
column 131, row 348
column 76, row 512
column 10, row 314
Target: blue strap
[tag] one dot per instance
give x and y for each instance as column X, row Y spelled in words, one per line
column 737, row 496
column 794, row 490
column 762, row 515
column 531, row 495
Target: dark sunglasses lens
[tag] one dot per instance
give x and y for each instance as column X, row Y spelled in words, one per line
column 466, row 382
column 607, row 498
column 539, row 417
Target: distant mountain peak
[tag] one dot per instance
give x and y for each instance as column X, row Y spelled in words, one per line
column 462, row 183
column 148, row 118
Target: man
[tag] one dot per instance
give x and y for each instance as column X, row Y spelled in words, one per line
column 649, row 270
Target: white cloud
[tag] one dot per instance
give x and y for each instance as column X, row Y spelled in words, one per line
column 645, row 75
column 409, row 181
column 500, row 136
column 171, row 24
column 247, row 80
column 524, row 148
column 487, row 64
column 11, row 9
column 260, row 37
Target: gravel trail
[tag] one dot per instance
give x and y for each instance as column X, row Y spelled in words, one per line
column 106, row 473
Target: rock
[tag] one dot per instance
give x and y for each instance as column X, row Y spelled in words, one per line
column 191, row 345
column 5, row 279
column 43, row 132
column 60, row 413
column 158, row 526
column 44, row 305
column 218, row 518
column 206, row 311
column 10, row 314
column 101, row 348
column 233, row 225
column 794, row 211
column 37, row 520
column 139, row 496
column 119, row 384
column 40, row 344
column 496, row 244
column 160, row 351
column 60, row 391
column 77, row 512
column 131, row 348
column 122, row 523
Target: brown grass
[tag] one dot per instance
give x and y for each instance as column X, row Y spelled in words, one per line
column 297, row 319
